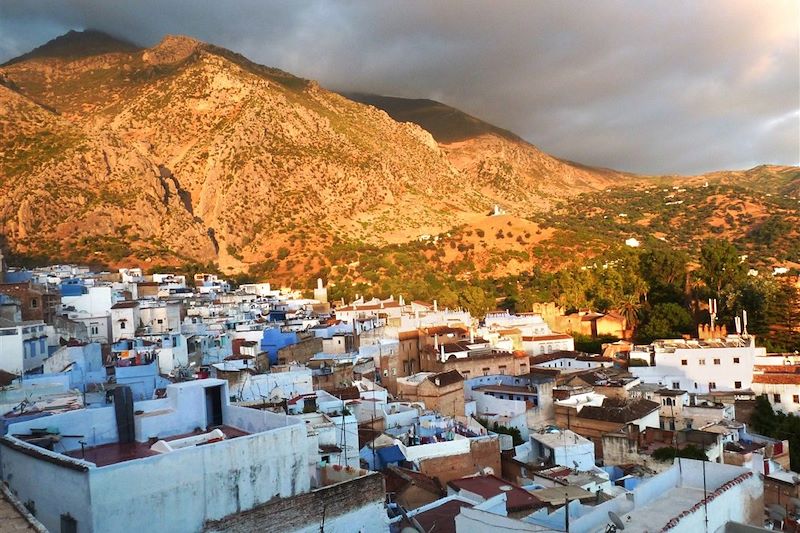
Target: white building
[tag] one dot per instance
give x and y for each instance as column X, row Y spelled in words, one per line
column 93, row 309
column 690, row 496
column 699, row 365
column 781, row 385
column 274, row 386
column 133, row 471
column 534, row 335
column 125, row 320
column 23, row 345
column 160, row 317
column 563, row 448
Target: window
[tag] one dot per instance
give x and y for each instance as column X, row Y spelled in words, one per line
column 122, row 325
column 737, row 384
column 796, row 398
column 716, row 361
column 394, row 371
column 776, row 398
column 695, row 384
column 712, row 385
column 95, row 330
column 34, row 303
column 676, row 384
column 502, row 370
column 385, row 372
column 736, row 360
column 485, row 371
column 684, row 362
column 465, row 373
column 160, row 321
column 701, row 362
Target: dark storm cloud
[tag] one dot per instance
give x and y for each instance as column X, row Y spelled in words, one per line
column 653, row 87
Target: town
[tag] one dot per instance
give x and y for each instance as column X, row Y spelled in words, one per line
column 132, row 400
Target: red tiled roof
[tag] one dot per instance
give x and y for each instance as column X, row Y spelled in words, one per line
column 442, row 519
column 777, row 369
column 777, row 379
column 517, row 498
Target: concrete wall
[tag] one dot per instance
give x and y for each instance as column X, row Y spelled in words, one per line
column 181, row 490
column 51, row 489
column 95, row 427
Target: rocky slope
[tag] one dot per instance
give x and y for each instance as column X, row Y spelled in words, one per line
column 186, row 151
column 189, row 152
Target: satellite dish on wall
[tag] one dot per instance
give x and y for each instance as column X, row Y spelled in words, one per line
column 618, row 524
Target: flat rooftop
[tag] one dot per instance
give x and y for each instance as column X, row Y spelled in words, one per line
column 109, row 454
column 506, row 389
column 655, row 515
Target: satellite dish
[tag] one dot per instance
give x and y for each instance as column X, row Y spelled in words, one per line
column 777, row 512
column 796, row 479
column 616, row 520
column 577, row 466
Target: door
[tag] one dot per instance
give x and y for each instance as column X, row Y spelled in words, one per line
column 214, row 406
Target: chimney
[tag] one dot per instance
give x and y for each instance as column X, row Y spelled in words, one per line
column 319, row 283
column 123, row 410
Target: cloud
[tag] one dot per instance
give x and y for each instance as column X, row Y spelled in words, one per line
column 656, row 87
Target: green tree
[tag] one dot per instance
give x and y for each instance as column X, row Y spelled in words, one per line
column 763, row 419
column 476, row 301
column 664, row 321
column 720, row 266
column 630, row 307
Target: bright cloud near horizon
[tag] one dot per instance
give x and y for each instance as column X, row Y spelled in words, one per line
column 667, row 86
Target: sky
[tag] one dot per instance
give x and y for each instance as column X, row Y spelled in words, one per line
column 654, row 87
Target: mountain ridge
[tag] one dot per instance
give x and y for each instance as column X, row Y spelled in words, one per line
column 188, row 152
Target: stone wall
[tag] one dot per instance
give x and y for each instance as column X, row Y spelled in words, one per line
column 306, row 511
column 483, row 453
column 300, row 352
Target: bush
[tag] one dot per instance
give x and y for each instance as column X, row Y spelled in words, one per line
column 669, row 453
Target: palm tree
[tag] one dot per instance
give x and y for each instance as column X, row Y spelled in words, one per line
column 630, row 307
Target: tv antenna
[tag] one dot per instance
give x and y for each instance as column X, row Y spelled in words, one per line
column 712, row 311
column 616, row 523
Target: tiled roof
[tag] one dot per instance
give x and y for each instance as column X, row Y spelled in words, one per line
column 777, row 379
column 442, row 519
column 619, row 411
column 446, row 378
column 125, row 305
column 517, row 498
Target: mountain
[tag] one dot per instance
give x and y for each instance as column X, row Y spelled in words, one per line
column 446, row 124
column 500, row 162
column 187, row 152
